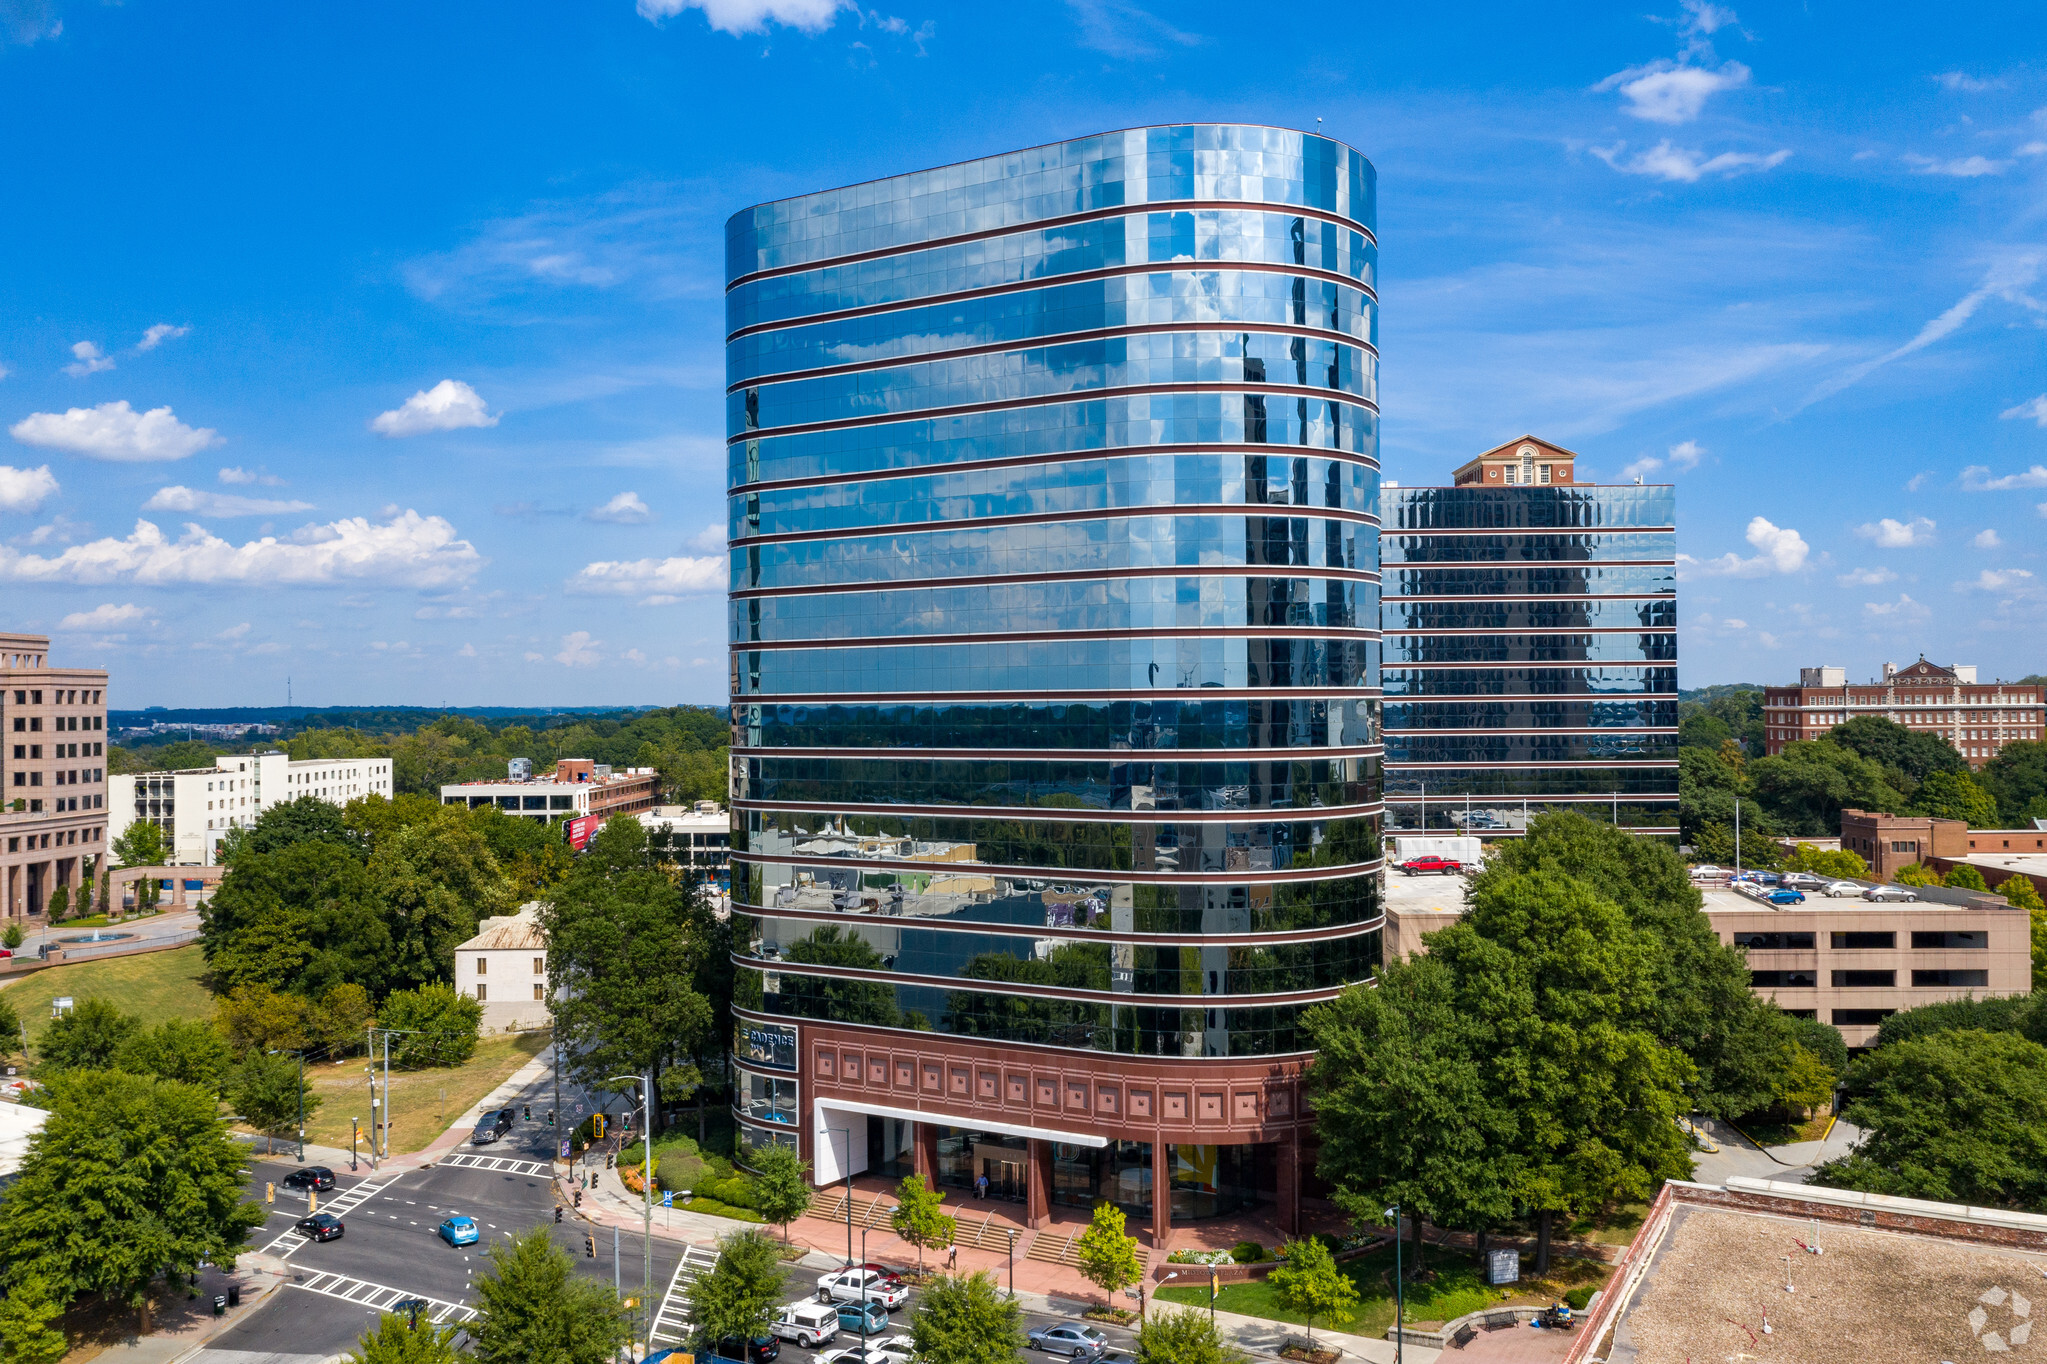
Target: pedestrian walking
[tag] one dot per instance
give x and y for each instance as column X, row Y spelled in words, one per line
column 952, row 1257
column 981, row 1185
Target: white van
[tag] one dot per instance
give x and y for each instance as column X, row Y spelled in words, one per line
column 809, row 1324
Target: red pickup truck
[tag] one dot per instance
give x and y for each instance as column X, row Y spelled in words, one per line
column 1423, row 866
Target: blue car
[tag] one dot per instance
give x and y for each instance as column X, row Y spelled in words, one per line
column 458, row 1231
column 1786, row 897
column 877, row 1318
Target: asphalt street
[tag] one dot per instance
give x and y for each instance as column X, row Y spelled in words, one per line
column 390, row 1248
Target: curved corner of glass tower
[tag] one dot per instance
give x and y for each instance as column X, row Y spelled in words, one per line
column 1055, row 662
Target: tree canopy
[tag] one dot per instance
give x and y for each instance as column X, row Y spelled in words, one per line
column 740, row 1294
column 1955, row 795
column 536, row 1309
column 968, row 1319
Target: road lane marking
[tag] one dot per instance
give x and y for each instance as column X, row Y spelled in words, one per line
column 379, row 1297
column 671, row 1323
column 497, row 1165
column 343, row 1203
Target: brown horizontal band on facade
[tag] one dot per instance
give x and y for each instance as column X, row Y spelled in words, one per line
column 1064, row 814
column 1054, row 637
column 1542, row 630
column 1560, row 729
column 1085, row 395
column 863, row 698
column 1348, row 575
column 1235, row 876
column 1120, row 755
column 1063, row 220
column 1055, row 281
column 1394, row 769
column 1070, row 1058
column 1057, row 457
column 1072, row 338
column 1264, row 509
column 1489, row 597
column 1489, row 698
column 1551, row 665
column 1541, row 530
column 1279, row 937
column 1071, row 996
column 1430, row 565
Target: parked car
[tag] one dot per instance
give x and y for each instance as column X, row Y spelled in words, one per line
column 1431, row 865
column 312, row 1177
column 1837, row 890
column 896, row 1349
column 1785, row 897
column 863, row 1284
column 1804, row 880
column 458, row 1231
column 491, row 1126
column 321, row 1226
column 877, row 1318
column 853, row 1354
column 759, row 1350
column 1070, row 1338
column 1708, row 872
column 888, row 1272
column 1898, row 894
column 809, row 1324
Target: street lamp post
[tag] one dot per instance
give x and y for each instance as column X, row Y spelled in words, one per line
column 281, row 1051
column 1399, row 1293
column 646, row 1198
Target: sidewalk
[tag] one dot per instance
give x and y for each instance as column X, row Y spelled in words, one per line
column 1793, row 1162
column 182, row 1328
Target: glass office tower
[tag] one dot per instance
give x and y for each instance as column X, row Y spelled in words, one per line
column 1056, row 763
column 1531, row 636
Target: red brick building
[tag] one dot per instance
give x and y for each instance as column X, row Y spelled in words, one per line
column 1527, row 461
column 1978, row 718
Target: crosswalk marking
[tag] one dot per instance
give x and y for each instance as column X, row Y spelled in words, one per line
column 342, row 1203
column 380, row 1297
column 671, row 1323
column 498, row 1164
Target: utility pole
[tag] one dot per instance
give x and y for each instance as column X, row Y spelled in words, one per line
column 647, row 1192
column 370, row 1049
column 387, row 1096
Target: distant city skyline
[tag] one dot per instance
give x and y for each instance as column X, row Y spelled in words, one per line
column 396, row 367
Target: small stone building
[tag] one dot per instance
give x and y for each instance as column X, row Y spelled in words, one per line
column 504, row 968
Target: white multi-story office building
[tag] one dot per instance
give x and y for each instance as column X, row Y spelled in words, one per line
column 196, row 806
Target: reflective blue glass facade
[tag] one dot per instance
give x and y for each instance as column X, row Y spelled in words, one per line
column 1531, row 656
column 1054, row 598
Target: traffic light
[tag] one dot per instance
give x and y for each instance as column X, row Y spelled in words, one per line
column 529, row 1112
column 550, row 1117
column 597, row 1126
column 579, row 1198
column 608, row 1160
column 589, row 1246
column 557, row 1212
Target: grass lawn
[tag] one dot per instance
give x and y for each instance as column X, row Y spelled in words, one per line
column 1458, row 1287
column 423, row 1102
column 151, row 985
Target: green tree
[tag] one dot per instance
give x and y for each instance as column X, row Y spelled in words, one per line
column 266, row 1090
column 60, row 903
column 1912, row 753
column 435, row 881
column 1108, row 1257
column 189, row 1050
column 142, row 844
column 270, row 952
column 30, row 1329
column 89, row 1037
column 1954, row 795
column 336, row 1026
column 131, row 1178
column 1964, row 877
column 741, row 1293
column 1311, row 1284
column 1178, row 1337
column 781, row 1184
column 440, row 1026
column 1957, row 1117
column 10, row 1027
column 535, row 1309
column 304, row 819
column 967, row 1319
column 920, row 1217
column 2020, row 891
column 258, row 1018
column 1823, row 1040
column 629, row 952
column 1835, row 862
column 11, row 937
column 1804, row 1082
column 1916, row 874
column 396, row 1340
column 1807, row 783
column 2017, row 776
column 304, row 918
column 2025, row 1015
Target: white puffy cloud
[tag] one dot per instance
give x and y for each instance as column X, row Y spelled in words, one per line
column 23, row 490
column 449, row 405
column 1867, row 577
column 711, row 539
column 1667, row 92
column 1997, row 580
column 1965, row 83
column 656, row 582
column 240, row 476
column 1779, row 550
column 1976, row 479
column 409, row 550
column 1889, row 534
column 104, row 617
column 115, row 431
column 1960, row 167
column 1683, row 455
column 202, row 503
column 748, row 16
column 90, row 360
column 1987, row 539
column 2036, row 408
column 1904, row 608
column 160, row 333
column 1683, row 165
column 624, row 510
column 579, row 650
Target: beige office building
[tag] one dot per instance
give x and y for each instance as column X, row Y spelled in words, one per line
column 53, row 803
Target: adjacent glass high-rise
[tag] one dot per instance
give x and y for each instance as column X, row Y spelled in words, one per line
column 1055, row 662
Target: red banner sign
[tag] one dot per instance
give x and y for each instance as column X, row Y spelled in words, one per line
column 581, row 831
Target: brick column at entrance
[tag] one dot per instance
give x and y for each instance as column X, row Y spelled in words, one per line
column 924, row 1152
column 1288, row 1166
column 1161, row 1196
column 1038, row 1182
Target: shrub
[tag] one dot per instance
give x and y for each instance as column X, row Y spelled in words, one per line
column 1965, row 877
column 1915, row 874
column 1579, row 1296
column 680, row 1170
column 440, row 1026
column 1248, row 1253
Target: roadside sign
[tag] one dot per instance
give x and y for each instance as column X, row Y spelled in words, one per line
column 1503, row 1267
column 580, row 831
column 668, row 1198
column 565, row 1148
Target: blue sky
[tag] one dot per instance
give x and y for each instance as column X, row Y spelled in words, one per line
column 379, row 346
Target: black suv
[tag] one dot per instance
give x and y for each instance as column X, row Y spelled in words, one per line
column 312, row 1177
column 491, row 1126
column 321, row 1226
column 759, row 1350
